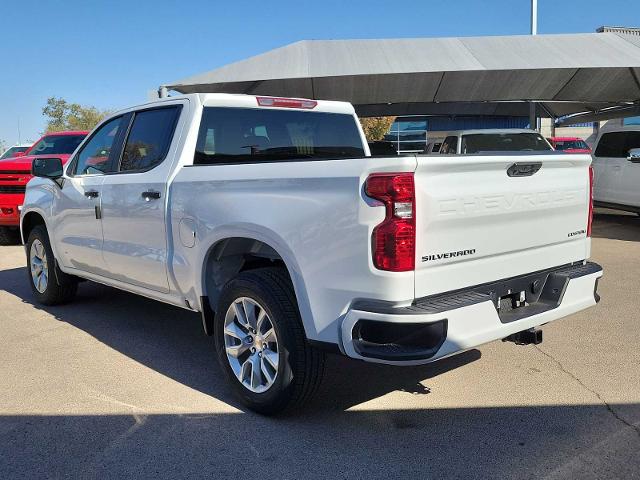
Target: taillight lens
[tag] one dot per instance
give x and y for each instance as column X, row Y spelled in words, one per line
column 590, row 220
column 394, row 240
column 286, row 102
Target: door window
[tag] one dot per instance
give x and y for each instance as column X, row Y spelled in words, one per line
column 94, row 157
column 450, row 145
column 617, row 144
column 149, row 139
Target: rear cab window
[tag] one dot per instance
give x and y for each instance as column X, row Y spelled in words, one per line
column 250, row 135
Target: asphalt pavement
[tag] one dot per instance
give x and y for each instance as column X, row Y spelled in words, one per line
column 115, row 385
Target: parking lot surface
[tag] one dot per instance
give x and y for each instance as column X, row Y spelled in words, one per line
column 116, row 385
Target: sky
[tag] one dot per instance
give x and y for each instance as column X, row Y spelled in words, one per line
column 110, row 54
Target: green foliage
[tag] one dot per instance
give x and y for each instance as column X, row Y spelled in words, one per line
column 375, row 127
column 62, row 115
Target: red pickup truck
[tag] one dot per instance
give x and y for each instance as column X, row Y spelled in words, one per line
column 16, row 172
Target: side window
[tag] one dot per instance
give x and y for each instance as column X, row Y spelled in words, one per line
column 613, row 145
column 450, row 145
column 94, row 157
column 632, row 141
column 149, row 139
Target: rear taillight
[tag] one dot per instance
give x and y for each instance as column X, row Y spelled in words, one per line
column 286, row 102
column 590, row 219
column 394, row 240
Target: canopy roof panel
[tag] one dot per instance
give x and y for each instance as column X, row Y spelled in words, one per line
column 567, row 73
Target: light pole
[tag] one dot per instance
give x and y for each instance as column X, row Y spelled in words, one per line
column 533, row 119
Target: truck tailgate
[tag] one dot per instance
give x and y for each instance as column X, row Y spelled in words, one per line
column 480, row 219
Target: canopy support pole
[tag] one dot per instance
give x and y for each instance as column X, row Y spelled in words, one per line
column 533, row 119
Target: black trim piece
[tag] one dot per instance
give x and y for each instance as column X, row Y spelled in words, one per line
column 398, row 341
column 523, row 169
column 325, row 346
column 208, row 316
column 285, row 160
column 15, row 172
column 617, row 206
column 544, row 290
column 580, row 270
column 13, row 188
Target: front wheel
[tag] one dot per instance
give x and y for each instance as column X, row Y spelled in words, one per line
column 261, row 345
column 48, row 283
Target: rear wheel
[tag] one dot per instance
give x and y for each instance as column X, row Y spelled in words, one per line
column 48, row 283
column 261, row 344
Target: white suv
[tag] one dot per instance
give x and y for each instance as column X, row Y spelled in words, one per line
column 616, row 165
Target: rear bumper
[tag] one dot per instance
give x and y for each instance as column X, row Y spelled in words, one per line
column 442, row 325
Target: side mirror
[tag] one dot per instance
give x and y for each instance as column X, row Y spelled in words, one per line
column 47, row 168
column 634, row 155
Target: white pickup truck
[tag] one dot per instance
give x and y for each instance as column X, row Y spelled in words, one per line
column 269, row 216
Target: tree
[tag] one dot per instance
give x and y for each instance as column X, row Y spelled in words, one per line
column 375, row 127
column 63, row 115
column 3, row 146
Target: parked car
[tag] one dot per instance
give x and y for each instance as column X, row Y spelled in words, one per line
column 15, row 151
column 15, row 172
column 467, row 142
column 268, row 216
column 569, row 144
column 616, row 164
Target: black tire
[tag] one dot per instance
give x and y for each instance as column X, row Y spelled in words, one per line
column 9, row 236
column 300, row 366
column 60, row 287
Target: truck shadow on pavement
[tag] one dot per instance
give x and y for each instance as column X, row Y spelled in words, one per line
column 170, row 341
column 616, row 225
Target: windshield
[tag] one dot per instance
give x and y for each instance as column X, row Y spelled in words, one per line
column 571, row 145
column 504, row 142
column 233, row 135
column 10, row 152
column 56, row 145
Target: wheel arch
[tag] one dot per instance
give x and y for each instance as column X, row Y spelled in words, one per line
column 226, row 257
column 28, row 222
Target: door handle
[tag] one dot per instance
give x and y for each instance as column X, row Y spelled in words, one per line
column 91, row 194
column 150, row 195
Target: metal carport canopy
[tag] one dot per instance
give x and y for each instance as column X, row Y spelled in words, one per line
column 566, row 74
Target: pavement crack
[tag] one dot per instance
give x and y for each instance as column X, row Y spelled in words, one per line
column 615, row 414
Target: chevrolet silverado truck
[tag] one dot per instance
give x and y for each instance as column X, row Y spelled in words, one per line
column 15, row 173
column 269, row 217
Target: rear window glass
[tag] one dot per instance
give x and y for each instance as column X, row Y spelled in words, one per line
column 617, row 144
column 241, row 135
column 56, row 144
column 571, row 145
column 504, row 142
